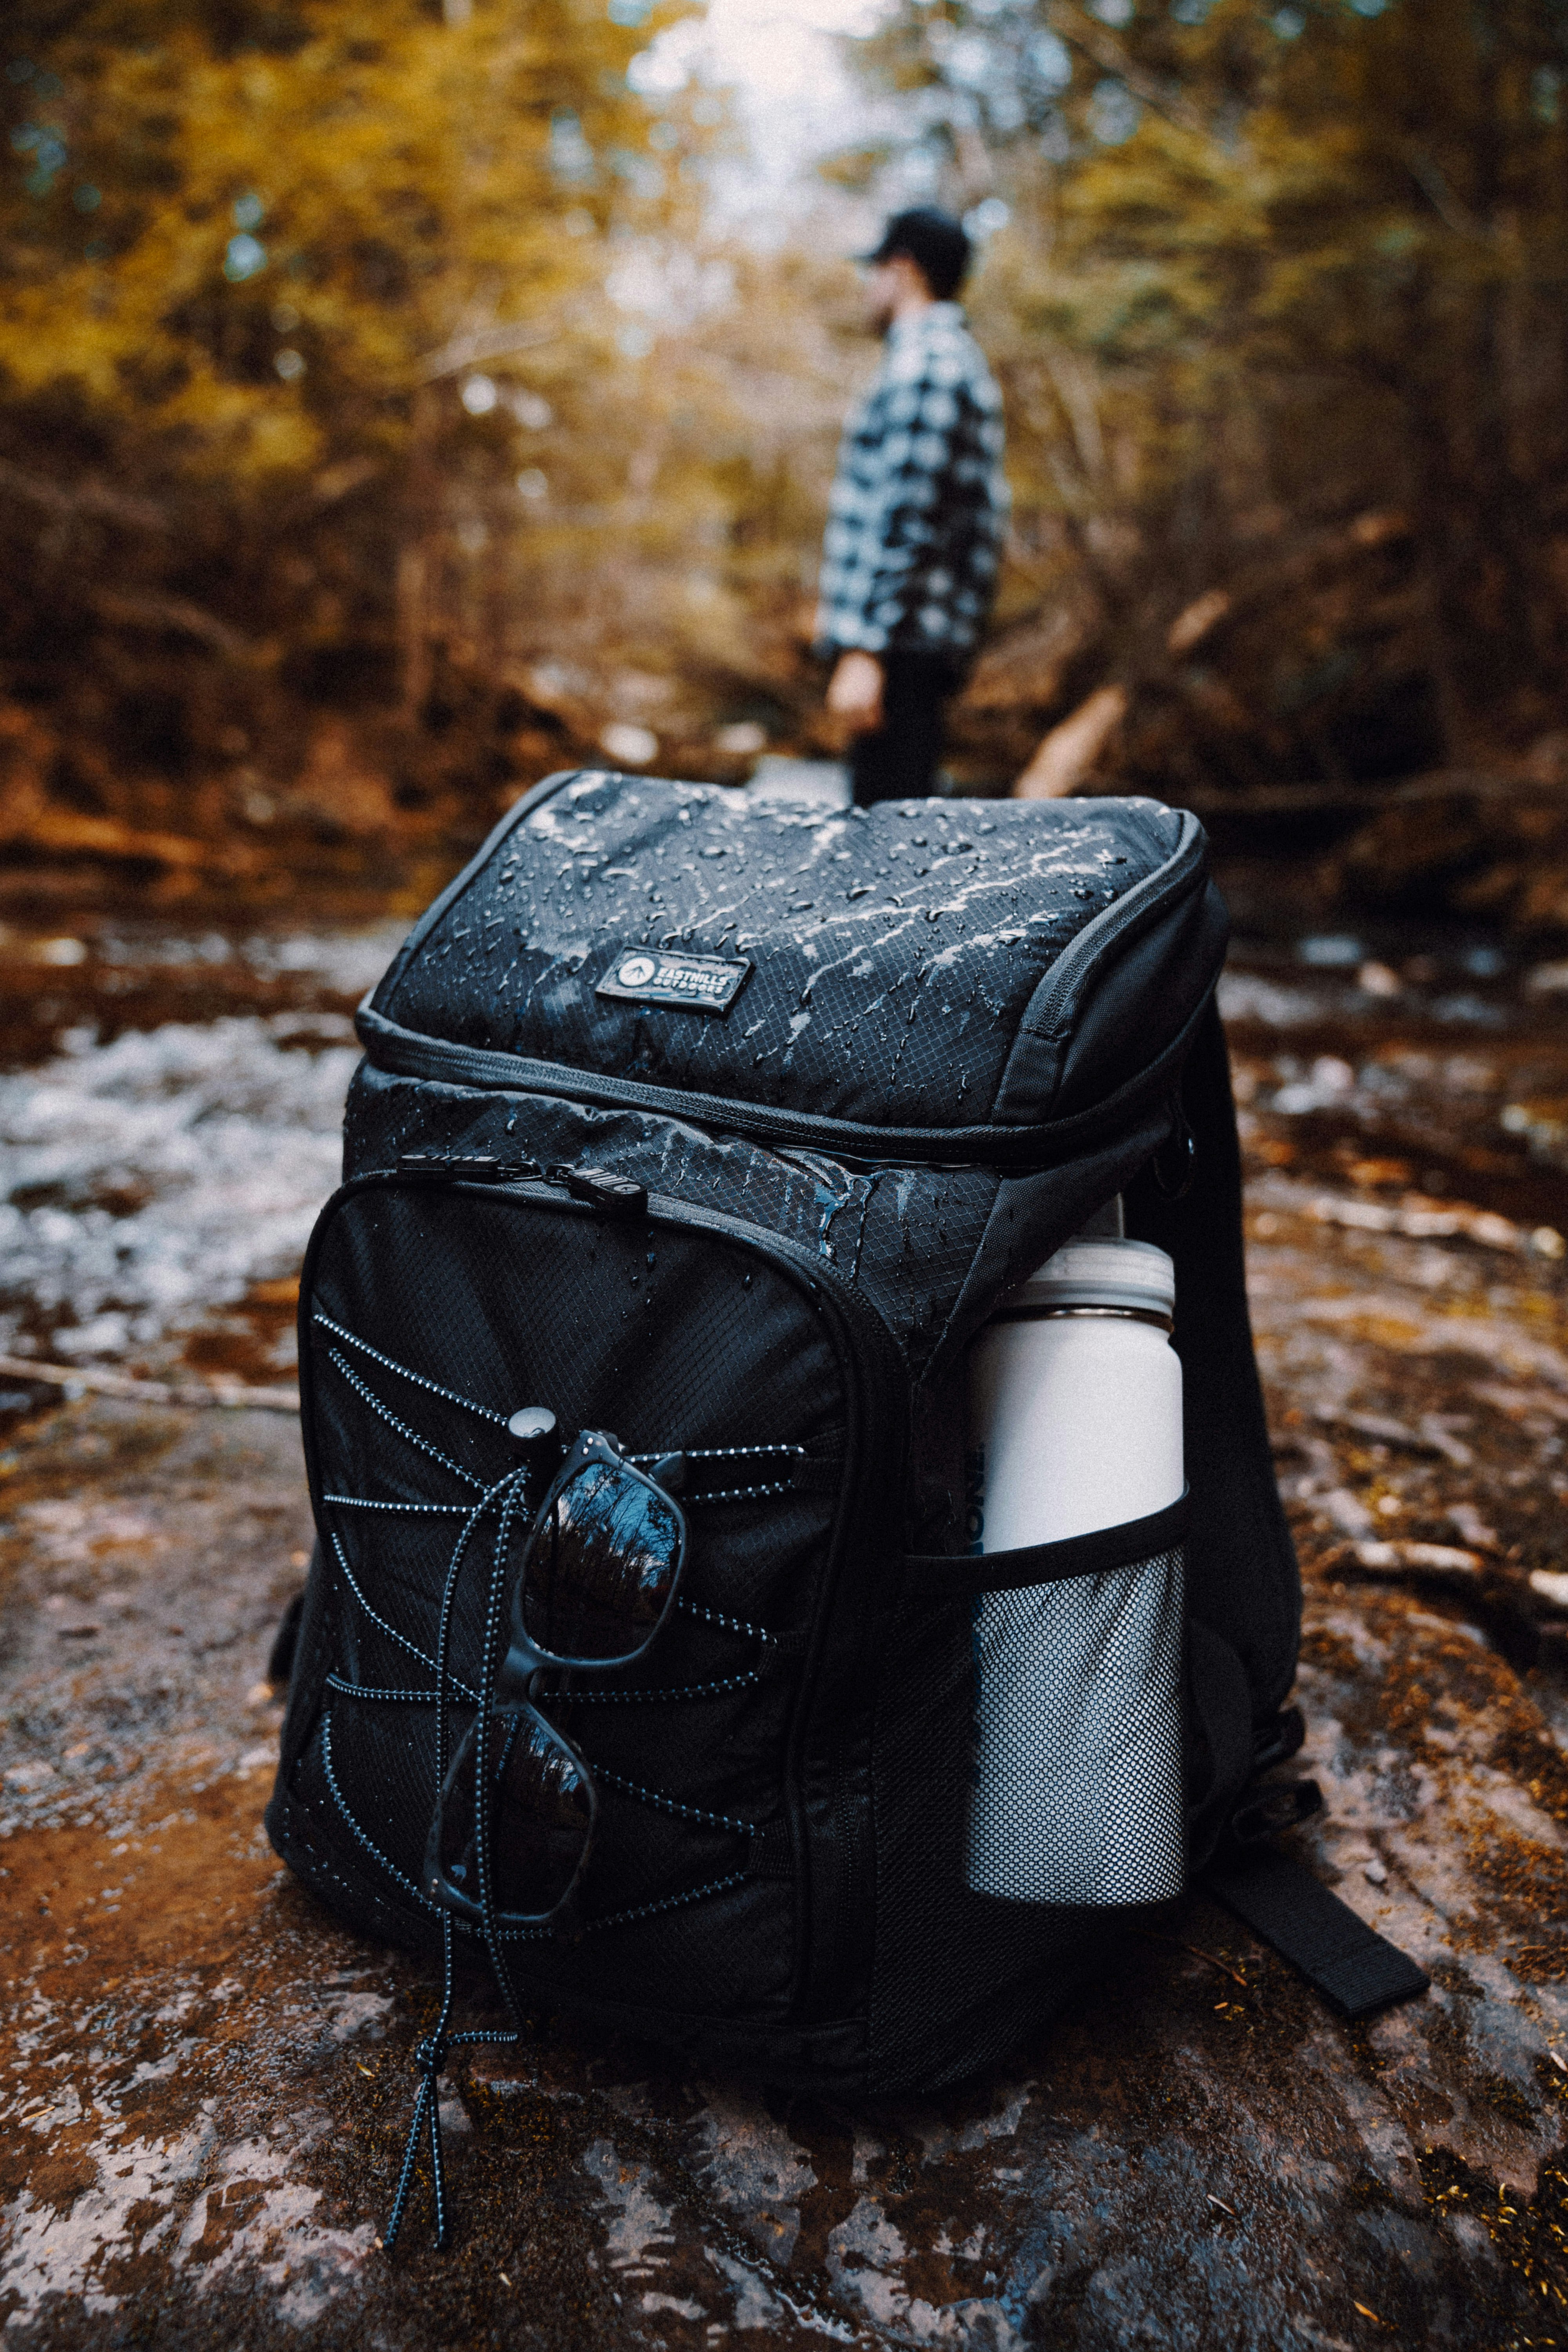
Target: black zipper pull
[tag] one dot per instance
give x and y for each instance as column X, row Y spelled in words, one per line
column 618, row 1196
column 477, row 1167
column 1276, row 1741
column 1181, row 1145
column 1278, row 1806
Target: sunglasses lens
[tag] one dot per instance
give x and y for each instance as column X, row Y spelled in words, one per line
column 541, row 1816
column 603, row 1567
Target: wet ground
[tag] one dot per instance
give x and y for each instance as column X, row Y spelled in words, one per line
column 206, row 2082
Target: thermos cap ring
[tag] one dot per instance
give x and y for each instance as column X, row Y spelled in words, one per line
column 1094, row 1272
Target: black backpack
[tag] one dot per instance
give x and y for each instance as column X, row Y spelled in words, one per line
column 724, row 1128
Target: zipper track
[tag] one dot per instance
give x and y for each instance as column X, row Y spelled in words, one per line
column 866, row 1349
column 408, row 1053
column 1144, row 903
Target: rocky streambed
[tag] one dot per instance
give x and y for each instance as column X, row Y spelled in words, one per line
column 207, row 2082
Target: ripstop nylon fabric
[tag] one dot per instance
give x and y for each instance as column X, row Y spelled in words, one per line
column 562, row 1310
column 895, row 950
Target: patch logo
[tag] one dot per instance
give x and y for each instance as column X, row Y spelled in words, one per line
column 657, row 976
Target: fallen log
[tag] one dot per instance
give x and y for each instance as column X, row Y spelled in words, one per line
column 1193, row 622
column 1418, row 1219
column 59, row 829
column 1071, row 749
column 1403, row 1558
column 89, row 497
column 176, row 614
column 233, row 1395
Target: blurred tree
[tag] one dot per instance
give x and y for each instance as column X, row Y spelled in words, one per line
column 1279, row 309
column 305, row 351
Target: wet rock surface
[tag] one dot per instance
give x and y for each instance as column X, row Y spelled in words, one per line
column 171, row 1106
column 207, row 2082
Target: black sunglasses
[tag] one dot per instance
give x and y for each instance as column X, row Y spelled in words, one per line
column 593, row 1583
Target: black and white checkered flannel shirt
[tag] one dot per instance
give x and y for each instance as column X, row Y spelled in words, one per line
column 920, row 501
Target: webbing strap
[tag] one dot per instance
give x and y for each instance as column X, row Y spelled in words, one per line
column 1353, row 1965
column 1129, row 1544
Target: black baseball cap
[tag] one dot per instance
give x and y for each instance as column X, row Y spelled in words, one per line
column 934, row 241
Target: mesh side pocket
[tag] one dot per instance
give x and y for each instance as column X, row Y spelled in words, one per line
column 1076, row 1791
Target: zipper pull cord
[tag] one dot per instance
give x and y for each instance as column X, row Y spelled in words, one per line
column 431, row 2054
column 429, row 2058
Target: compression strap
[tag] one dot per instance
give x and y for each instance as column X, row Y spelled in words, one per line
column 1355, row 1969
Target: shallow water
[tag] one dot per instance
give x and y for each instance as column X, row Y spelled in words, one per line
column 161, row 1175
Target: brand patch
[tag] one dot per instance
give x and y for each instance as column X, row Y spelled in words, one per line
column 657, row 976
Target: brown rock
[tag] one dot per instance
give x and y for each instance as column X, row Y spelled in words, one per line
column 1199, row 2154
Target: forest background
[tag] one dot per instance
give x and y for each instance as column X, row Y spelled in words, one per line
column 388, row 416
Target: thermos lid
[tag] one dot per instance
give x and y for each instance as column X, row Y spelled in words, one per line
column 1092, row 1272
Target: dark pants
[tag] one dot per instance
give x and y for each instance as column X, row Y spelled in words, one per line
column 899, row 761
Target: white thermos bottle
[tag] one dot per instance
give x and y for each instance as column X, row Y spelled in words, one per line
column 1075, row 1423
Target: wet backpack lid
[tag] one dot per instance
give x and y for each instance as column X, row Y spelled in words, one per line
column 1095, row 1272
column 920, row 977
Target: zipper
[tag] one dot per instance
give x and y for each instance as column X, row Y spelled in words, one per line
column 411, row 1053
column 518, row 813
column 866, row 1350
column 407, row 1052
column 873, row 1481
column 1143, row 904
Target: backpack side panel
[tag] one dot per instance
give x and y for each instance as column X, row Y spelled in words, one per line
column 959, row 1978
column 1142, row 1001
column 1123, row 990
column 1032, row 1216
column 1243, row 1579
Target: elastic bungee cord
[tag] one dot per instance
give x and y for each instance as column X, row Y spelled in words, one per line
column 431, row 2054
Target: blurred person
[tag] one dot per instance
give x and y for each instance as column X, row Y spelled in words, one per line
column 915, row 522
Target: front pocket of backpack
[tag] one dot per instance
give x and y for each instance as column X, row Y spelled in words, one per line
column 432, row 1310
column 1076, row 1788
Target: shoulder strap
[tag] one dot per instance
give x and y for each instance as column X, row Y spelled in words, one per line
column 1355, row 1967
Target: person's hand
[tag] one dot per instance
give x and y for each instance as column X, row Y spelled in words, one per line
column 854, row 692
